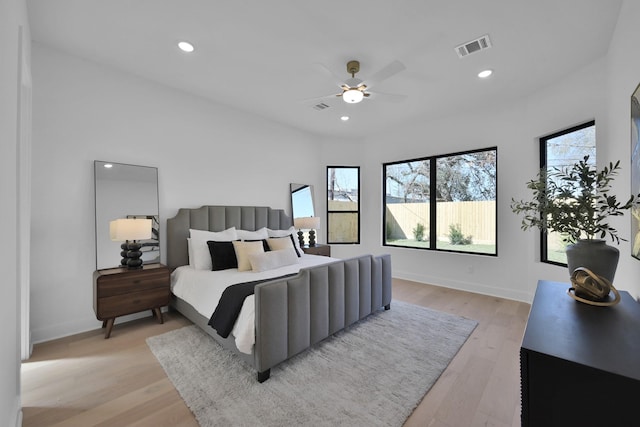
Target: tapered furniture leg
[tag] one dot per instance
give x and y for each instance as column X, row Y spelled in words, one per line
column 109, row 326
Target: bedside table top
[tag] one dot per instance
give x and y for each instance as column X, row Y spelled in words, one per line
column 119, row 270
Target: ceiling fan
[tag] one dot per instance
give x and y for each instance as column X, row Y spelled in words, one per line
column 355, row 90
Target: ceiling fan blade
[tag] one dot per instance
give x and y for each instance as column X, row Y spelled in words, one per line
column 320, row 98
column 392, row 97
column 390, row 70
column 338, row 79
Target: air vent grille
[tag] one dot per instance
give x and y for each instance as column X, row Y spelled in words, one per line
column 320, row 106
column 481, row 43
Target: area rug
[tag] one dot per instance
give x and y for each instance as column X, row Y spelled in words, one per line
column 372, row 374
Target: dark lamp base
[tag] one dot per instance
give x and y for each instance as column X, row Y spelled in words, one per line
column 133, row 255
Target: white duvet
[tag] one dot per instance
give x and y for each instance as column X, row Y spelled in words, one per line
column 203, row 289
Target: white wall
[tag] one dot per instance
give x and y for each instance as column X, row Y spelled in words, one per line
column 515, row 130
column 623, row 76
column 205, row 153
column 12, row 17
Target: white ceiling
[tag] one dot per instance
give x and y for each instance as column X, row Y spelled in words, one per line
column 263, row 56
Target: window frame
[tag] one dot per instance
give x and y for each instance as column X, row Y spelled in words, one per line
column 433, row 202
column 329, row 211
column 544, row 243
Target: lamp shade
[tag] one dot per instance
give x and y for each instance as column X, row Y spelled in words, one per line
column 352, row 96
column 124, row 229
column 307, row 223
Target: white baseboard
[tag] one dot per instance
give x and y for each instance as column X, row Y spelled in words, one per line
column 61, row 330
column 477, row 288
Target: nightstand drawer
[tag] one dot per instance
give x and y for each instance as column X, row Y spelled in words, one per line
column 119, row 284
column 133, row 302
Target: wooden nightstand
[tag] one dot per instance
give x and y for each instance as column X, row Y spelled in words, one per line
column 318, row 249
column 121, row 291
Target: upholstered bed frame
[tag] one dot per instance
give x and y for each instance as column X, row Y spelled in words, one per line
column 291, row 314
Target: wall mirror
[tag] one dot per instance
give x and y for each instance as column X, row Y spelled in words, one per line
column 302, row 200
column 125, row 191
column 635, row 171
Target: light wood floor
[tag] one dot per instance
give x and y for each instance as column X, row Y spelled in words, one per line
column 85, row 380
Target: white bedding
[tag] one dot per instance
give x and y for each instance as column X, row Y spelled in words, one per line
column 203, row 289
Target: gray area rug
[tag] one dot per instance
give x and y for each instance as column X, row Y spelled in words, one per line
column 373, row 374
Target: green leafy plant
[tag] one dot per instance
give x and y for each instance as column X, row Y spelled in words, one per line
column 456, row 237
column 574, row 201
column 418, row 232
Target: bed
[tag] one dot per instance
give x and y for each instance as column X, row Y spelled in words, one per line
column 291, row 313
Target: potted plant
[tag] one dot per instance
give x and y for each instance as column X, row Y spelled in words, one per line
column 576, row 202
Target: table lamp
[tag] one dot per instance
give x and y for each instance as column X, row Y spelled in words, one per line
column 310, row 223
column 130, row 231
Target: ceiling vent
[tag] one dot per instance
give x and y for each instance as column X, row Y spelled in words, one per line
column 320, row 106
column 473, row 46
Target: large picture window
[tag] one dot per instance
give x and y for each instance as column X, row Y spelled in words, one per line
column 557, row 151
column 343, row 204
column 445, row 202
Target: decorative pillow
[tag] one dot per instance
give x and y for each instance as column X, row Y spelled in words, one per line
column 274, row 259
column 279, row 243
column 265, row 245
column 243, row 250
column 291, row 231
column 200, row 257
column 253, row 235
column 223, row 255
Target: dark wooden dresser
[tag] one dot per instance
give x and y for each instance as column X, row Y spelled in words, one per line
column 121, row 291
column 580, row 364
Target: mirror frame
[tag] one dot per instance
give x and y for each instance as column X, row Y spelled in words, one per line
column 122, row 199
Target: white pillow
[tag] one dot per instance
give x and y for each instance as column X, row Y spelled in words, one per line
column 253, row 235
column 274, row 259
column 291, row 231
column 199, row 255
column 243, row 250
column 190, row 253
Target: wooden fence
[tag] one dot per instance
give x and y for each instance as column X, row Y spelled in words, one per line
column 343, row 227
column 476, row 219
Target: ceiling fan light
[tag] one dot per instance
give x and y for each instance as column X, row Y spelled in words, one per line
column 352, row 96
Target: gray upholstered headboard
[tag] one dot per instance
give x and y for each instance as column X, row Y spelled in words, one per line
column 217, row 218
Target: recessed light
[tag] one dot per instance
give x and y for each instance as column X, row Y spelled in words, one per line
column 344, row 118
column 186, row 46
column 108, row 165
column 484, row 74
